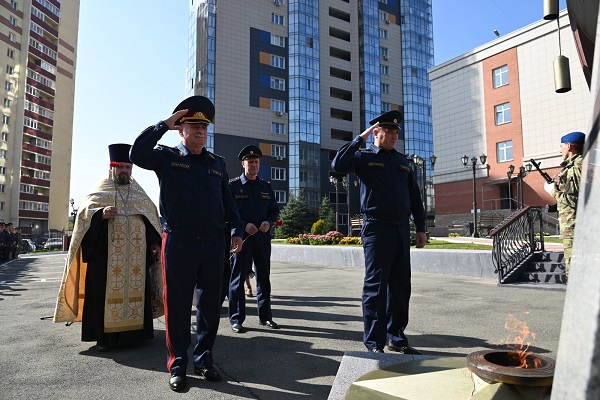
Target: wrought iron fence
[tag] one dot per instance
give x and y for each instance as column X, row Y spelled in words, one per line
column 516, row 239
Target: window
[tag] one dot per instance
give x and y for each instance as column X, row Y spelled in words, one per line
column 14, row 5
column 502, row 113
column 5, row 119
column 277, row 40
column 8, row 86
column 383, row 15
column 278, row 174
column 500, row 76
column 10, row 53
column 7, row 102
column 4, row 137
column 384, row 69
column 342, row 219
column 280, row 196
column 385, row 107
column 504, row 151
column 2, row 170
column 10, row 69
column 277, row 19
column 384, row 52
column 309, row 42
column 385, row 88
column 277, row 128
column 278, row 105
column 277, row 83
column 1, row 206
column 2, row 188
column 383, row 1
column 383, row 33
column 12, row 37
column 3, row 153
column 278, row 150
column 27, row 189
column 277, row 62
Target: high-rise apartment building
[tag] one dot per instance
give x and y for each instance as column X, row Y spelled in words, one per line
column 299, row 78
column 38, row 56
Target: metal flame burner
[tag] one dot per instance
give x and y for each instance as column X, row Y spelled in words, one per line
column 500, row 366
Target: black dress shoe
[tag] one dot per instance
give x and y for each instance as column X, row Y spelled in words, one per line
column 210, row 374
column 375, row 350
column 270, row 324
column 403, row 349
column 238, row 328
column 177, row 383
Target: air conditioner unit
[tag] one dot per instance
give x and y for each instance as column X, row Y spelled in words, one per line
column 386, row 58
column 387, row 21
column 279, row 158
column 279, row 113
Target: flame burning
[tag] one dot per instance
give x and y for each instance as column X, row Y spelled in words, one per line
column 519, row 340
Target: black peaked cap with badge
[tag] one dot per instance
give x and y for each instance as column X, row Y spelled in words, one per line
column 250, row 152
column 391, row 119
column 200, row 110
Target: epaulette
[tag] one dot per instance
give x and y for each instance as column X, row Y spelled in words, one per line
column 237, row 178
column 213, row 155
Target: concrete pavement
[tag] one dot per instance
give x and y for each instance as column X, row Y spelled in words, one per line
column 317, row 307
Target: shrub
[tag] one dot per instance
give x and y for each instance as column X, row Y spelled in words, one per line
column 453, row 234
column 317, row 227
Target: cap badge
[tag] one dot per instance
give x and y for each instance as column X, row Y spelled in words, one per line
column 395, row 120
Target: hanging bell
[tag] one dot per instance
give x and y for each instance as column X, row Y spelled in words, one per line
column 562, row 75
column 550, row 9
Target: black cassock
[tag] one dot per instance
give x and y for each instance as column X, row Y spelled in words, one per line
column 94, row 247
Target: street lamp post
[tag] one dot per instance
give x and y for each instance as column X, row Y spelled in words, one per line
column 419, row 161
column 511, row 169
column 334, row 182
column 523, row 170
column 465, row 161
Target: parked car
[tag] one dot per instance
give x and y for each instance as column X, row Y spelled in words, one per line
column 27, row 246
column 53, row 244
column 39, row 242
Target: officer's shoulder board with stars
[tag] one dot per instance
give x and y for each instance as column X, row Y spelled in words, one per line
column 213, row 155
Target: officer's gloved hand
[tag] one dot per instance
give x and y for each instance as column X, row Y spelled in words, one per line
column 549, row 187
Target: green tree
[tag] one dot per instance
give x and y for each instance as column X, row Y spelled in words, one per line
column 327, row 214
column 296, row 216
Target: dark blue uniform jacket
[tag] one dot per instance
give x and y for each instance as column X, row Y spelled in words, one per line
column 194, row 189
column 255, row 200
column 388, row 191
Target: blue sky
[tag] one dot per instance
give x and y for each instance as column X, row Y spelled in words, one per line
column 132, row 74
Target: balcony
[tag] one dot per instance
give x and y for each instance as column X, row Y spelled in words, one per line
column 35, row 149
column 37, row 133
column 35, row 181
column 41, row 87
column 33, row 214
column 34, row 197
column 39, row 118
column 36, row 165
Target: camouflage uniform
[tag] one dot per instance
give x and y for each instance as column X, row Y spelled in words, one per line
column 566, row 195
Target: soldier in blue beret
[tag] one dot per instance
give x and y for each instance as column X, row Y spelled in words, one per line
column 566, row 190
column 388, row 195
column 259, row 211
column 196, row 202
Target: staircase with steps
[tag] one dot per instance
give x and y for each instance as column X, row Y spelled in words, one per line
column 546, row 267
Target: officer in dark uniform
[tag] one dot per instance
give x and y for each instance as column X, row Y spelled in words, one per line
column 388, row 195
column 258, row 210
column 195, row 201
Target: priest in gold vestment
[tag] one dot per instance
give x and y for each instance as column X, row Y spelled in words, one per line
column 112, row 282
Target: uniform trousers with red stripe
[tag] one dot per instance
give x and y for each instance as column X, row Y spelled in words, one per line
column 191, row 263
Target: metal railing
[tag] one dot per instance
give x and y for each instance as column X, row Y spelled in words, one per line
column 515, row 241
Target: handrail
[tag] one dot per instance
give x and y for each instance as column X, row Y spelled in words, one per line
column 515, row 240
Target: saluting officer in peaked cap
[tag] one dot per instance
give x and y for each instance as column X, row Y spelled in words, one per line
column 250, row 152
column 200, row 110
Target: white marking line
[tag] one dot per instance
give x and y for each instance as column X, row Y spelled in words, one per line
column 2, row 282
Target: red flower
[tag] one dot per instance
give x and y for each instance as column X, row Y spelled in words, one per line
column 114, row 164
column 278, row 222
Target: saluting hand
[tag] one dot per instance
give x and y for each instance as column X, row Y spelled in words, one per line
column 367, row 132
column 173, row 118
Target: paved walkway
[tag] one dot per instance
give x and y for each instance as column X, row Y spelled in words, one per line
column 318, row 308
